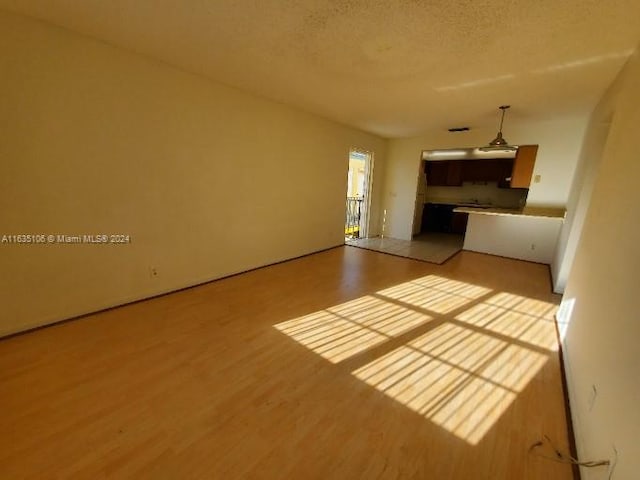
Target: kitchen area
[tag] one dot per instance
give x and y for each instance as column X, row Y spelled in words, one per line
column 479, row 199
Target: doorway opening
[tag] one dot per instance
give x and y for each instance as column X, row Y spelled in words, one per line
column 358, row 200
column 426, row 244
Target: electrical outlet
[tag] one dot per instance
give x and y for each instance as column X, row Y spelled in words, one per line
column 153, row 271
column 612, row 462
column 533, row 246
column 537, row 179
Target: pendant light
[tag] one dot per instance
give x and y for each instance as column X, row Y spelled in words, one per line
column 499, row 143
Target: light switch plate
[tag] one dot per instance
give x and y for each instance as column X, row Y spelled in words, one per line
column 536, row 179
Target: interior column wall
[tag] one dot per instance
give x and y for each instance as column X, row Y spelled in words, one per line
column 599, row 311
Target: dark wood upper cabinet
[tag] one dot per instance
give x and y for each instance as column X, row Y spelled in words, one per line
column 454, row 173
column 436, row 173
column 507, row 172
column 444, row 173
column 493, row 170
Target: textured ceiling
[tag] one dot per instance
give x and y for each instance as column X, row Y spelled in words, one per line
column 392, row 67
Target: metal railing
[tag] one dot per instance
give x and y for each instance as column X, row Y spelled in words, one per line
column 352, row 221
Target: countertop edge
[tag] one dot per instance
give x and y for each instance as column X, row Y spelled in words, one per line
column 557, row 213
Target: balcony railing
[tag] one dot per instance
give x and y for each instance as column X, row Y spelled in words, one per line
column 352, row 221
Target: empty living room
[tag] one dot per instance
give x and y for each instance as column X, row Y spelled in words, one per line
column 184, row 293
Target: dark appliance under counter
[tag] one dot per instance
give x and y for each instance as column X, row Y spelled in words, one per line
column 440, row 217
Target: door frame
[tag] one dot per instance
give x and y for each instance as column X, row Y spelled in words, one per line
column 417, row 219
column 365, row 212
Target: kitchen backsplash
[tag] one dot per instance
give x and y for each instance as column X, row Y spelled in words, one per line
column 483, row 193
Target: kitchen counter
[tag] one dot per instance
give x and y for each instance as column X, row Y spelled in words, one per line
column 523, row 212
column 458, row 203
column 527, row 234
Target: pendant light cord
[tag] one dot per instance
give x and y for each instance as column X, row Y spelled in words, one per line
column 504, row 109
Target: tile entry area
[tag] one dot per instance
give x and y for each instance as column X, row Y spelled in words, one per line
column 427, row 247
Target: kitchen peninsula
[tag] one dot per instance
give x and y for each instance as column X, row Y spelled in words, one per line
column 529, row 233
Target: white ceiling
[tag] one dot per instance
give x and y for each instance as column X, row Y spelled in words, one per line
column 391, row 67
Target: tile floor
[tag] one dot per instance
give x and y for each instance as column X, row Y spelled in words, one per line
column 428, row 247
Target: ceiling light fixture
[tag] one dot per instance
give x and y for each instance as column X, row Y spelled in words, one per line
column 447, row 153
column 499, row 143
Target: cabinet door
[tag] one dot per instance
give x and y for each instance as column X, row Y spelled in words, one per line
column 505, row 171
column 459, row 222
column 454, row 173
column 429, row 218
column 523, row 166
column 472, row 170
column 437, row 172
column 486, row 170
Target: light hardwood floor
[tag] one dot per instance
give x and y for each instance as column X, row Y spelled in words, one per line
column 346, row 364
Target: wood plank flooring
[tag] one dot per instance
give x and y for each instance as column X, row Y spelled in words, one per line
column 346, row 364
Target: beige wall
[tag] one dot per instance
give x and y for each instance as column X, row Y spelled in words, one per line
column 559, row 140
column 581, row 190
column 599, row 315
column 205, row 179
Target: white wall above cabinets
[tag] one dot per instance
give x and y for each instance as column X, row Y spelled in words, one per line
column 514, row 236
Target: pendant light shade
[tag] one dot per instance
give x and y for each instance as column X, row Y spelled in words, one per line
column 499, row 143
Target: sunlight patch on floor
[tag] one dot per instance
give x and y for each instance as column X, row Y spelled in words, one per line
column 345, row 330
column 515, row 317
column 474, row 352
column 459, row 379
column 437, row 294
